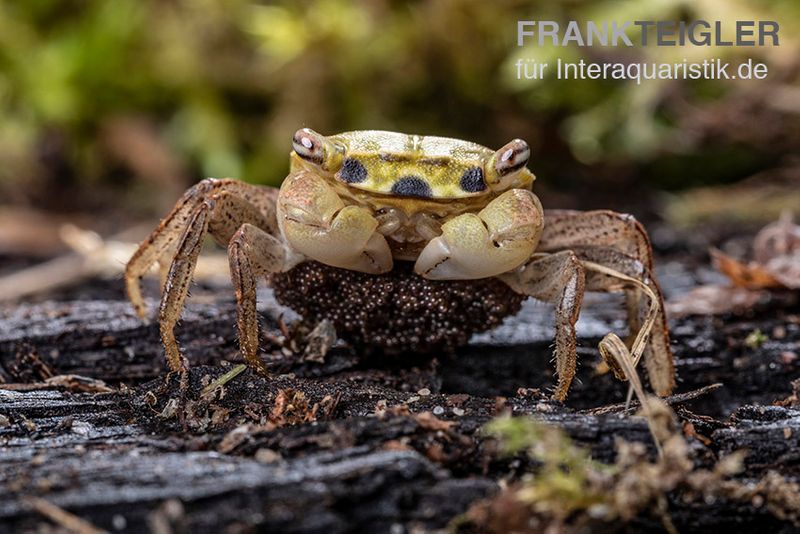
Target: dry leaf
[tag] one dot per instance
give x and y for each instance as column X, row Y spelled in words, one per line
column 429, row 421
column 751, row 275
column 713, row 300
column 778, row 239
column 776, row 265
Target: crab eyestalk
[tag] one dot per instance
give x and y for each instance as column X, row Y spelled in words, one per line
column 318, row 150
column 504, row 166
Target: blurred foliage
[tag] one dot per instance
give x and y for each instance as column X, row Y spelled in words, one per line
column 164, row 92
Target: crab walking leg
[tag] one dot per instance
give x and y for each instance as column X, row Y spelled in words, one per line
column 220, row 214
column 618, row 241
column 252, row 253
column 162, row 243
column 557, row 278
column 567, row 229
column 318, row 224
column 176, row 287
column 498, row 239
column 616, row 354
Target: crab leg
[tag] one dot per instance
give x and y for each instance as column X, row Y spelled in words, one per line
column 220, row 215
column 568, row 229
column 176, row 287
column 498, row 239
column 620, row 243
column 252, row 253
column 557, row 278
column 318, row 224
column 162, row 243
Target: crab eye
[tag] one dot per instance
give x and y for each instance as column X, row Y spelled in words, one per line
column 472, row 180
column 309, row 145
column 512, row 157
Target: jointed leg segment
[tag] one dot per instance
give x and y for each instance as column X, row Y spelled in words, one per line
column 161, row 245
column 618, row 241
column 235, row 214
column 252, row 253
column 559, row 278
column 616, row 254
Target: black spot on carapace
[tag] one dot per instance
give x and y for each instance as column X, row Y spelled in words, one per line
column 353, row 171
column 472, row 180
column 412, row 186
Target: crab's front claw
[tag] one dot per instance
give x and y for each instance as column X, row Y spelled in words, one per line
column 316, row 223
column 498, row 239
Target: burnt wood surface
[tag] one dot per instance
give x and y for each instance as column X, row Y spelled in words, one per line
column 372, row 445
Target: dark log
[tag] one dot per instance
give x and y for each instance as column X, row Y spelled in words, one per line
column 105, row 340
column 112, row 458
column 374, row 457
column 333, row 492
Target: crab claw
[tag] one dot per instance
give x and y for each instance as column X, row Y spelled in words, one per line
column 498, row 239
column 316, row 223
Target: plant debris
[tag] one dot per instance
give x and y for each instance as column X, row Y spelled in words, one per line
column 570, row 492
column 776, row 258
column 69, row 522
column 319, row 342
column 775, row 266
column 76, row 383
column 291, row 407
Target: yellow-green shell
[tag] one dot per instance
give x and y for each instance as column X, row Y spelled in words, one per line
column 413, row 165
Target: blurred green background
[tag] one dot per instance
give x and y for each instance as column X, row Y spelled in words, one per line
column 120, row 105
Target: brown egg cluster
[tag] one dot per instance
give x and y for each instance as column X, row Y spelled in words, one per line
column 398, row 311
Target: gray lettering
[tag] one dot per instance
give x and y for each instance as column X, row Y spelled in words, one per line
column 593, row 31
column 573, row 33
column 772, row 32
column 744, row 29
column 643, row 24
column 548, row 28
column 665, row 29
column 522, row 32
column 718, row 30
column 618, row 33
column 705, row 33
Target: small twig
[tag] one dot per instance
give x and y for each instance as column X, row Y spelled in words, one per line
column 678, row 398
column 62, row 518
column 222, row 380
column 91, row 256
column 75, row 383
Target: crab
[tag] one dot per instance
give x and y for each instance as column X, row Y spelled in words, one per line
column 420, row 222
